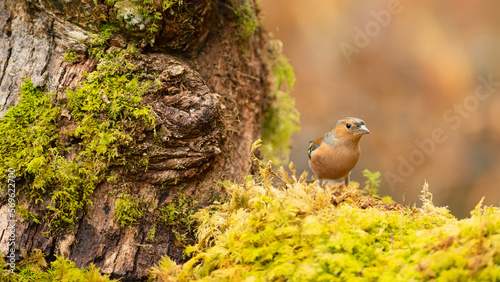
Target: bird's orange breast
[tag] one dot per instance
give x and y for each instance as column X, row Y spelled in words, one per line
column 333, row 162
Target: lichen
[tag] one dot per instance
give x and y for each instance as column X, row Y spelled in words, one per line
column 128, row 13
column 280, row 120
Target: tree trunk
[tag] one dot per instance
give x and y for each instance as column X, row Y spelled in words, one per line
column 213, row 83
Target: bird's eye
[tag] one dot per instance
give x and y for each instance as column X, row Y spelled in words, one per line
column 348, row 125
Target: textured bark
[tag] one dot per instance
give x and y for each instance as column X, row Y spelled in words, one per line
column 208, row 109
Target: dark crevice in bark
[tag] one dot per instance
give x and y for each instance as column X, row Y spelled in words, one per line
column 52, row 253
column 8, row 33
column 50, row 51
column 139, row 244
column 31, row 240
column 4, row 69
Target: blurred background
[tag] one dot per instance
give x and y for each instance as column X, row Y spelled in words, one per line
column 423, row 75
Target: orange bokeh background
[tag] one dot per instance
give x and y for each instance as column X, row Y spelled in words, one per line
column 417, row 67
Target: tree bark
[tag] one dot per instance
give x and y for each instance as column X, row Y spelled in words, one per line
column 213, row 88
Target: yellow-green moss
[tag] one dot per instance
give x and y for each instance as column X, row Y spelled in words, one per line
column 70, row 56
column 164, row 271
column 293, row 232
column 105, row 108
column 153, row 12
column 129, row 209
column 34, row 268
column 100, row 40
column 372, row 182
column 29, row 142
column 281, row 118
column 247, row 17
column 167, row 4
column 151, row 234
column 177, row 217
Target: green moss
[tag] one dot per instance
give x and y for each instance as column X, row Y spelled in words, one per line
column 27, row 215
column 129, row 209
column 70, row 56
column 247, row 17
column 34, row 268
column 106, row 108
column 372, row 183
column 144, row 161
column 274, row 238
column 281, row 118
column 29, row 142
column 177, row 217
column 151, row 234
column 154, row 13
column 278, row 227
column 167, row 4
column 29, row 129
column 100, row 40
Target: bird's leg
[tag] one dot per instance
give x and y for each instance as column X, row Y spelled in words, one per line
column 321, row 182
column 347, row 179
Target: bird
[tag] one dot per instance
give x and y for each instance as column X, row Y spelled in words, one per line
column 334, row 155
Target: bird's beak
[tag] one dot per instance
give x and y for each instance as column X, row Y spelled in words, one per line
column 363, row 130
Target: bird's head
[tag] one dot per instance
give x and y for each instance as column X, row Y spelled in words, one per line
column 350, row 129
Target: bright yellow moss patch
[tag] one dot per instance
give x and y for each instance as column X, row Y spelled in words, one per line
column 295, row 233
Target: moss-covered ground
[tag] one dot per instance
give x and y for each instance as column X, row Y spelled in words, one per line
column 277, row 227
column 282, row 227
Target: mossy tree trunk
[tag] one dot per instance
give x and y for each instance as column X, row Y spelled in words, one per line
column 211, row 80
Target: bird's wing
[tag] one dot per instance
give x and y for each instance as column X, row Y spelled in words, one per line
column 314, row 145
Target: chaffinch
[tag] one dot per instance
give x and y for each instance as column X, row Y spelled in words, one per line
column 334, row 155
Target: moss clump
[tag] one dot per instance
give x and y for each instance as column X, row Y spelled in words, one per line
column 372, row 182
column 100, row 40
column 297, row 231
column 177, row 216
column 154, row 12
column 129, row 209
column 70, row 56
column 164, row 271
column 34, row 268
column 105, row 108
column 167, row 4
column 281, row 118
column 29, row 142
column 247, row 17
